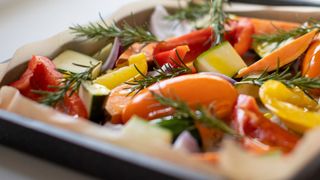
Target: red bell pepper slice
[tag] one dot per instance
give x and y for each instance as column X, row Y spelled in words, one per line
column 250, row 122
column 198, row 42
column 173, row 57
column 40, row 75
column 239, row 34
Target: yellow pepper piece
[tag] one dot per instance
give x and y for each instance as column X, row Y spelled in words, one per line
column 119, row 76
column 293, row 106
column 140, row 60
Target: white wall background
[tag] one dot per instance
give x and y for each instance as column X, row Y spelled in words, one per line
column 24, row 21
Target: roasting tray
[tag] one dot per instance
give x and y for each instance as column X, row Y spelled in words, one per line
column 100, row 159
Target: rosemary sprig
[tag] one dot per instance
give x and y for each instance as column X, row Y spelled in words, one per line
column 286, row 77
column 192, row 12
column 126, row 33
column 201, row 114
column 164, row 72
column 282, row 35
column 70, row 83
column 218, row 20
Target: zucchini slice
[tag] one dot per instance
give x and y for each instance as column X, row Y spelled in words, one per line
column 68, row 60
column 222, row 59
column 94, row 97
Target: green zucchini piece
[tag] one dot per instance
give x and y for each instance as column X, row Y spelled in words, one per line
column 68, row 60
column 94, row 97
column 104, row 53
column 222, row 59
column 138, row 128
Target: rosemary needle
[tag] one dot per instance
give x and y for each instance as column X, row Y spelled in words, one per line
column 126, row 33
column 286, row 77
column 164, row 72
column 202, row 115
column 282, row 35
column 192, row 12
column 70, row 83
column 218, row 20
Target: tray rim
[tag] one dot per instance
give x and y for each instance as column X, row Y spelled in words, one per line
column 17, row 119
column 121, row 153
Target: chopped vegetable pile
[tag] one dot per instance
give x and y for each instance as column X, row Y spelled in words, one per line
column 220, row 76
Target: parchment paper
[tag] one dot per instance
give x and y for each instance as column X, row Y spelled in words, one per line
column 235, row 163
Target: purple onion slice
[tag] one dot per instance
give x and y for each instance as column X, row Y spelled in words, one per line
column 186, row 142
column 112, row 58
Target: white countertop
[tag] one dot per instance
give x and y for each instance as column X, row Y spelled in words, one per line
column 24, row 21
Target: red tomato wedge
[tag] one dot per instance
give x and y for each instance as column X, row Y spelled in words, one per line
column 40, row 75
column 250, row 122
column 239, row 34
column 173, row 57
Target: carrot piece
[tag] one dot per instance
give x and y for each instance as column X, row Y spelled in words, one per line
column 311, row 61
column 117, row 100
column 281, row 56
column 265, row 26
column 137, row 48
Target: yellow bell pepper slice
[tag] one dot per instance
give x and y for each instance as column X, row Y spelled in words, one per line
column 119, row 76
column 140, row 60
column 293, row 106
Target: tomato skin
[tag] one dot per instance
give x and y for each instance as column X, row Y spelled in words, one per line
column 311, row 61
column 198, row 42
column 218, row 94
column 239, row 34
column 250, row 122
column 74, row 105
column 171, row 56
column 40, row 75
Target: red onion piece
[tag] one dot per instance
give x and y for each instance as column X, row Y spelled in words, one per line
column 232, row 81
column 186, row 142
column 163, row 28
column 114, row 54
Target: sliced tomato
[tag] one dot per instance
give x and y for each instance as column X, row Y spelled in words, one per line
column 173, row 57
column 239, row 34
column 74, row 105
column 250, row 122
column 198, row 42
column 23, row 84
column 41, row 75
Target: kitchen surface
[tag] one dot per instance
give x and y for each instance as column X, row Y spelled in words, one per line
column 27, row 21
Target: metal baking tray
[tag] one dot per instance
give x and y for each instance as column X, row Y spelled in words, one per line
column 96, row 158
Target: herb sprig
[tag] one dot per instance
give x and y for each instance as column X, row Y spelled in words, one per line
column 286, row 77
column 282, row 35
column 70, row 83
column 195, row 11
column 126, row 33
column 192, row 12
column 218, row 20
column 201, row 114
column 164, row 72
